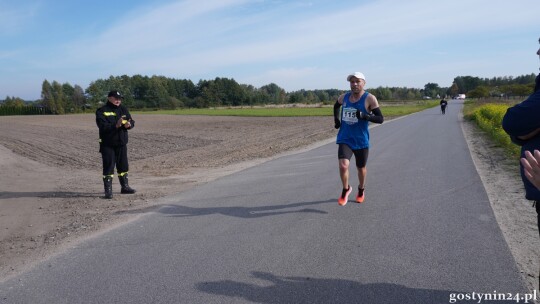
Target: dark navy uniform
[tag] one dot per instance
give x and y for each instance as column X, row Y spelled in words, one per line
column 521, row 120
column 113, row 142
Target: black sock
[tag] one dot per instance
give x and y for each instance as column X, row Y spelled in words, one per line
column 345, row 192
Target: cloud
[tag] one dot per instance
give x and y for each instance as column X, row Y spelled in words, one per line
column 195, row 35
column 259, row 40
column 150, row 33
column 14, row 18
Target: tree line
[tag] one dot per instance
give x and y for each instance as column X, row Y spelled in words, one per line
column 502, row 87
column 160, row 92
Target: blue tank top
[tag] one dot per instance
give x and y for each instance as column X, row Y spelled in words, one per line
column 353, row 132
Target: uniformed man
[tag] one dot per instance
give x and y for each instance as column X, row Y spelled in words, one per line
column 114, row 121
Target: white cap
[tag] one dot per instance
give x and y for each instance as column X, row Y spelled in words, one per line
column 357, row 75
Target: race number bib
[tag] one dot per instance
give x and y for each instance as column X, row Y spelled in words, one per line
column 349, row 116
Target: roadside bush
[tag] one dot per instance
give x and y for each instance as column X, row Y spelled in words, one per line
column 489, row 118
column 23, row 110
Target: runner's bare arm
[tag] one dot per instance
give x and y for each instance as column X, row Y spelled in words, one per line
column 340, row 99
column 372, row 102
column 372, row 105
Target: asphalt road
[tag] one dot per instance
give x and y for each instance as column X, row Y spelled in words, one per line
column 274, row 233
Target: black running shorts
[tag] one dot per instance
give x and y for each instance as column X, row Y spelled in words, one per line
column 361, row 156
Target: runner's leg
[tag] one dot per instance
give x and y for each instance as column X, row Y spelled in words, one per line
column 344, row 172
column 361, row 157
column 362, row 173
column 344, row 155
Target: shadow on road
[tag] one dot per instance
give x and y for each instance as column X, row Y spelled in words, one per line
column 236, row 211
column 275, row 289
column 53, row 194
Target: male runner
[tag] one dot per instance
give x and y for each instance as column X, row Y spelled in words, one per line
column 443, row 103
column 359, row 107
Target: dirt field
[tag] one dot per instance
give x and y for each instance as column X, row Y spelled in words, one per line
column 51, row 187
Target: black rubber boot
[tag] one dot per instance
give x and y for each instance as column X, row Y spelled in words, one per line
column 107, row 182
column 126, row 189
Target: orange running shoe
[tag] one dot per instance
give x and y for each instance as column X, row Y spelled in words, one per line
column 342, row 200
column 360, row 196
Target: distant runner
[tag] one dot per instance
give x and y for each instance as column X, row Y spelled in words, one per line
column 359, row 107
column 444, row 103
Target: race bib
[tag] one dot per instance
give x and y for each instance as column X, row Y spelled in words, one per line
column 349, row 115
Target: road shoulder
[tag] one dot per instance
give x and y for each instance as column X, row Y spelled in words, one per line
column 516, row 217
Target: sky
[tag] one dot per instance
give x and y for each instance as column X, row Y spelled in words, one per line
column 294, row 44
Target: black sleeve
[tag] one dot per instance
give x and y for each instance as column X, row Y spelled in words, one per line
column 125, row 111
column 377, row 116
column 517, row 141
column 522, row 118
column 131, row 121
column 103, row 124
column 336, row 110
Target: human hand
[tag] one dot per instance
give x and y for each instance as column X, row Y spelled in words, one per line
column 337, row 123
column 119, row 123
column 361, row 115
column 531, row 167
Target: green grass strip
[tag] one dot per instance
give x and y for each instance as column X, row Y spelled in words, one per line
column 390, row 110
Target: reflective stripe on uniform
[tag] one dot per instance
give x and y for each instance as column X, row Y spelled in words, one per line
column 109, row 113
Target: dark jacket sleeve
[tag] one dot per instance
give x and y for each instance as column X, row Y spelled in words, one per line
column 132, row 121
column 103, row 123
column 522, row 118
